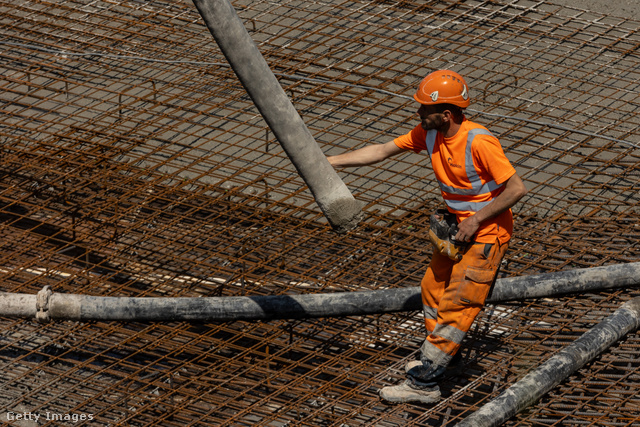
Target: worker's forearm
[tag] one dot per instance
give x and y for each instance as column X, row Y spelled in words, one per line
column 365, row 156
column 505, row 200
column 513, row 192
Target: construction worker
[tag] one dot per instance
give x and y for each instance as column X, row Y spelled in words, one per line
column 479, row 186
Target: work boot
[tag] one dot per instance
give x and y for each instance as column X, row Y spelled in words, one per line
column 412, row 364
column 455, row 361
column 408, row 392
column 425, row 373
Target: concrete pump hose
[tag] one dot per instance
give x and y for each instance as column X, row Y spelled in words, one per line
column 58, row 306
column 548, row 375
column 333, row 197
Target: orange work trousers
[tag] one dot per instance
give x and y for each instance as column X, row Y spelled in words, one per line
column 453, row 293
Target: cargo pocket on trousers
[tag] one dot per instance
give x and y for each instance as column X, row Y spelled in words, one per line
column 477, row 287
column 479, row 275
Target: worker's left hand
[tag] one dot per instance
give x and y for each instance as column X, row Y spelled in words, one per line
column 467, row 228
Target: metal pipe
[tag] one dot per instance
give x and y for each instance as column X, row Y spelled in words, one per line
column 48, row 305
column 333, row 197
column 548, row 375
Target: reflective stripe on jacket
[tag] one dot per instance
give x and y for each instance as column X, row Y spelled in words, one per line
column 476, row 195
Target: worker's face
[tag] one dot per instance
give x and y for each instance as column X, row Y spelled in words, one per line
column 431, row 119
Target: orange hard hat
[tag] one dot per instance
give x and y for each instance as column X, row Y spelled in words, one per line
column 443, row 87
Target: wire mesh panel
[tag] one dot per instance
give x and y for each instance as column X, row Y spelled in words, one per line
column 135, row 164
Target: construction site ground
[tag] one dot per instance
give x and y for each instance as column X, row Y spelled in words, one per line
column 134, row 164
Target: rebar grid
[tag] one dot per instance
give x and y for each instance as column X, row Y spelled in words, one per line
column 134, row 164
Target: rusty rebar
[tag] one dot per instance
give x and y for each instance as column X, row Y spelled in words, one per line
column 134, row 164
column 556, row 369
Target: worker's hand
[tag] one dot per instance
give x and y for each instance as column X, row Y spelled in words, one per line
column 467, row 228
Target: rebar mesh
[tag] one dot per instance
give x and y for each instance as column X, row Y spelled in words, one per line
column 134, row 164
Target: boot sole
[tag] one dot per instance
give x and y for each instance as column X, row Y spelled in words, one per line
column 424, row 397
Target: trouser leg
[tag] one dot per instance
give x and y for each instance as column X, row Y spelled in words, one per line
column 457, row 300
column 433, row 285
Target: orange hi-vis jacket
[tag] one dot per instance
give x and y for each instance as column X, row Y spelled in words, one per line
column 471, row 169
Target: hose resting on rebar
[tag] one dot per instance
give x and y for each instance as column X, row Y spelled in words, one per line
column 58, row 306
